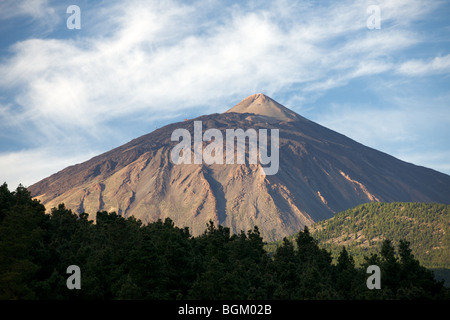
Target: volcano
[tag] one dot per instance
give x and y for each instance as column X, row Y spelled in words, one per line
column 320, row 173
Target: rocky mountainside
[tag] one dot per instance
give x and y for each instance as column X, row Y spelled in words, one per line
column 321, row 172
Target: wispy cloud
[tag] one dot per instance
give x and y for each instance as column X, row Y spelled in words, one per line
column 36, row 9
column 420, row 67
column 40, row 14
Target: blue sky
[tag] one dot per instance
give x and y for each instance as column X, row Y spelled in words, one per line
column 68, row 95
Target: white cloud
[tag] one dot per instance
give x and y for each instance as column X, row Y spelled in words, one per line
column 159, row 55
column 420, row 67
column 29, row 166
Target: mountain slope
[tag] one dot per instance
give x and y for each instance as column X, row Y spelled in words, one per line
column 263, row 105
column 363, row 228
column 321, row 172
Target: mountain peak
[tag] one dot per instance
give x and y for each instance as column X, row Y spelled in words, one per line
column 263, row 105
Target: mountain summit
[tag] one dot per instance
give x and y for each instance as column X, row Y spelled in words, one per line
column 263, row 105
column 321, row 172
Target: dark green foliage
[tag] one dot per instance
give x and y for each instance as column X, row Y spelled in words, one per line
column 348, row 280
column 424, row 225
column 22, row 231
column 121, row 258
